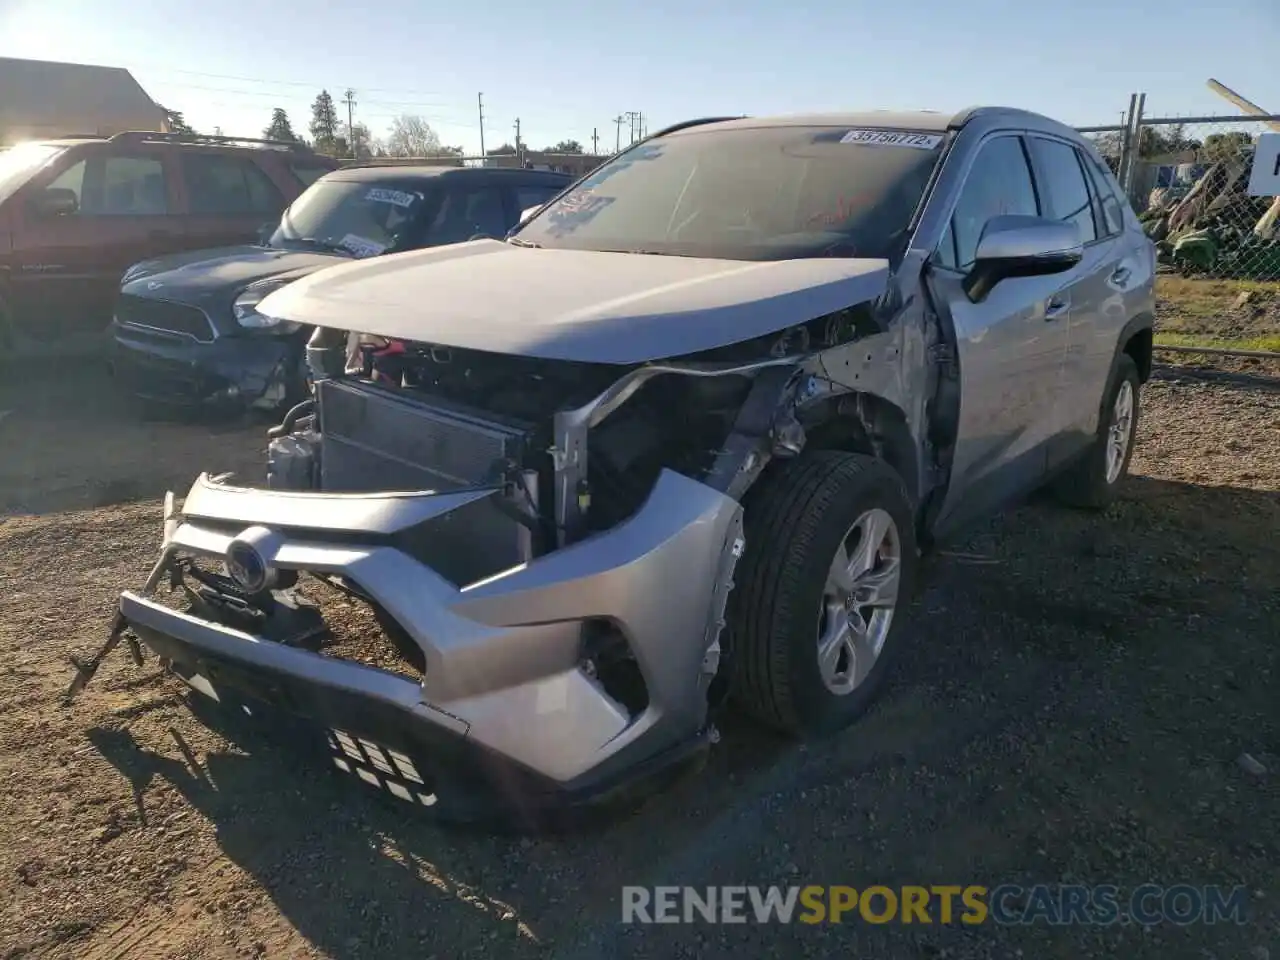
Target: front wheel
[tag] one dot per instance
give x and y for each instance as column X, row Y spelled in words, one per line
column 814, row 618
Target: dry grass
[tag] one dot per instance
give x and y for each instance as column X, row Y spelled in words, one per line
column 1209, row 313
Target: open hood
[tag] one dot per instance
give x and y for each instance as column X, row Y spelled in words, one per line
column 573, row 304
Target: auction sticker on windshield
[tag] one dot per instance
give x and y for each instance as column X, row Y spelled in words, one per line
column 893, row 138
column 361, row 246
column 398, row 197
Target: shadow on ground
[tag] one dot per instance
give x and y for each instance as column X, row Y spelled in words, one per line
column 1069, row 707
column 74, row 441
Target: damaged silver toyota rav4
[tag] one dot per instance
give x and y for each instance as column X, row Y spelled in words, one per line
column 681, row 437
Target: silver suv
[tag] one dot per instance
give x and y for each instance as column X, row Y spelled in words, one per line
column 682, row 436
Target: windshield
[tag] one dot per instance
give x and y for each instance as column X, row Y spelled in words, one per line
column 360, row 218
column 17, row 164
column 765, row 193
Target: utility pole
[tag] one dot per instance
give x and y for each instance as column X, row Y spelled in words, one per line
column 617, row 143
column 633, row 117
column 595, row 141
column 350, row 101
column 480, row 102
column 519, row 148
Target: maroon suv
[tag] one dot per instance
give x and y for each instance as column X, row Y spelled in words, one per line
column 76, row 213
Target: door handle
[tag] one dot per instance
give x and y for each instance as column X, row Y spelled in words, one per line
column 1120, row 275
column 1056, row 307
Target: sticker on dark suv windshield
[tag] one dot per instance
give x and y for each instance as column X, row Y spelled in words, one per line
column 360, row 246
column 398, row 197
column 893, row 138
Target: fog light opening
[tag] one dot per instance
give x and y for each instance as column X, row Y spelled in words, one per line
column 608, row 661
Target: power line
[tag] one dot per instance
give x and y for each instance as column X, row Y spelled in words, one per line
column 282, row 96
column 282, row 83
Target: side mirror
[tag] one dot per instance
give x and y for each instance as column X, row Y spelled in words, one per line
column 55, row 202
column 1020, row 246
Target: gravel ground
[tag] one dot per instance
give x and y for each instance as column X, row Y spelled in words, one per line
column 1072, row 707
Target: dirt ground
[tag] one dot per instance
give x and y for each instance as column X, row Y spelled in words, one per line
column 1072, row 707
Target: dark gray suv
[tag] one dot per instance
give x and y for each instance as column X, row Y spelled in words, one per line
column 186, row 328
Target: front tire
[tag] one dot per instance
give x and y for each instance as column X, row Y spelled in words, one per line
column 1092, row 482
column 814, row 620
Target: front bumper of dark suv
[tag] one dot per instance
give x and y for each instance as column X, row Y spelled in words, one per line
column 176, row 368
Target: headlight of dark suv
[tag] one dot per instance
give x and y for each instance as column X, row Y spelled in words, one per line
column 246, row 312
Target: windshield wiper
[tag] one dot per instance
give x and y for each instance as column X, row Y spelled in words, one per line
column 516, row 241
column 327, row 245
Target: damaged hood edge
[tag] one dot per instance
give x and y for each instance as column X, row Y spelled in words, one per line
column 574, row 305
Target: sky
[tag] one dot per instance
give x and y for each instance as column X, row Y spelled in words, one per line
column 566, row 70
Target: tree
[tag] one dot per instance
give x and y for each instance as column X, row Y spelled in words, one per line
column 1224, row 146
column 177, row 123
column 324, row 124
column 505, row 149
column 412, row 136
column 280, row 128
column 565, row 146
column 1156, row 143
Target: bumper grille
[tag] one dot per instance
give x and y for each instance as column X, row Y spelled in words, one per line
column 165, row 316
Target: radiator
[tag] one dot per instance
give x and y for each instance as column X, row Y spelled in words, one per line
column 379, row 439
column 375, row 439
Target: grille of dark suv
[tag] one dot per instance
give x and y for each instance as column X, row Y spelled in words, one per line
column 164, row 315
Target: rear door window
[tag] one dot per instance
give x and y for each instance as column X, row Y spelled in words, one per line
column 227, row 185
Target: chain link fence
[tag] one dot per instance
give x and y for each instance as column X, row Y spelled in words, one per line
column 1188, row 180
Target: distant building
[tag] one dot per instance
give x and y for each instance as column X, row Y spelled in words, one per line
column 572, row 163
column 45, row 99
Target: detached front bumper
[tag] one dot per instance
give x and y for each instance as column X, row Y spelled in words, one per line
column 506, row 710
column 232, row 372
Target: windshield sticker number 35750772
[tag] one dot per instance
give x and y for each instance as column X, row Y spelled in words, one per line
column 893, row 138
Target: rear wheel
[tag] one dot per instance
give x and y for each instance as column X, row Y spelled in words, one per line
column 1092, row 482
column 831, row 552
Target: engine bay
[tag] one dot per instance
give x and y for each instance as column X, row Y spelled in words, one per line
column 433, row 417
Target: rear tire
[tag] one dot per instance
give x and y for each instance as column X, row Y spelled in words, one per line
column 1091, row 483
column 800, row 520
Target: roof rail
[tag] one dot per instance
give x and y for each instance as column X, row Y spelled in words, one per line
column 148, row 136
